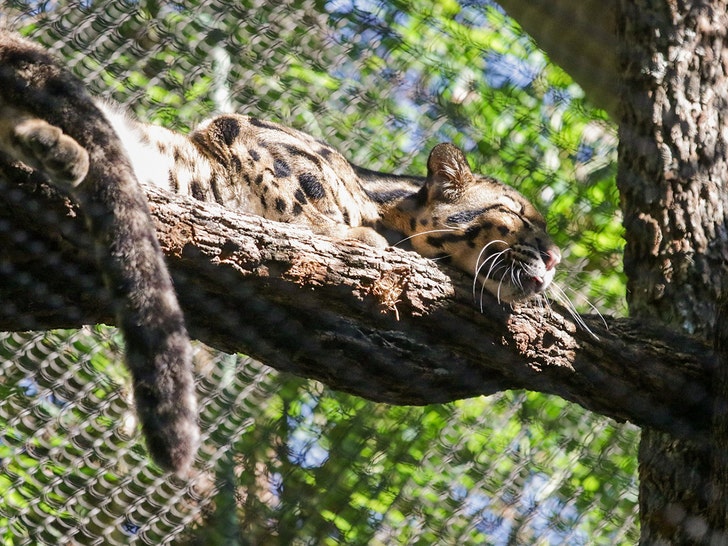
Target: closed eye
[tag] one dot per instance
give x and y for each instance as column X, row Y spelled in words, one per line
column 466, row 216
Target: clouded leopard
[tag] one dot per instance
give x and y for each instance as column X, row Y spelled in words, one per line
column 48, row 122
column 475, row 222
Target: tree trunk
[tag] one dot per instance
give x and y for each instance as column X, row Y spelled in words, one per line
column 672, row 176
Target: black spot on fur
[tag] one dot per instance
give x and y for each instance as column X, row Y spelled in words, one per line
column 424, row 221
column 386, row 196
column 280, row 205
column 281, row 169
column 325, row 152
column 472, row 232
column 465, row 216
column 413, row 224
column 297, row 209
column 300, row 197
column 347, row 217
column 311, row 186
column 235, row 160
column 439, row 240
column 215, row 187
column 228, row 127
column 173, row 182
column 503, row 230
column 263, row 202
column 254, row 155
column 258, row 180
column 299, row 152
column 434, row 241
column 197, row 190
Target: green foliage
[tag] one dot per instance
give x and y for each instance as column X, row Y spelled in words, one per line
column 383, row 82
column 334, row 469
column 41, row 412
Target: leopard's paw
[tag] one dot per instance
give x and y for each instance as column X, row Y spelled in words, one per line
column 45, row 147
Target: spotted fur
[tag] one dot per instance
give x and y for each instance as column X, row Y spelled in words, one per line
column 475, row 222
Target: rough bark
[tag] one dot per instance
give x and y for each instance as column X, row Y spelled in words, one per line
column 384, row 324
column 672, row 173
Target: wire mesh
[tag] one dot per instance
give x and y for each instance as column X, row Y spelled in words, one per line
column 284, row 460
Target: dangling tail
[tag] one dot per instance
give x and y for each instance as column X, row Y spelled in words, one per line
column 57, row 128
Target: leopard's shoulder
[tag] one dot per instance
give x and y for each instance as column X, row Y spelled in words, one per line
column 294, row 176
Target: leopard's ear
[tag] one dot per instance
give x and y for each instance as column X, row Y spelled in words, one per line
column 448, row 173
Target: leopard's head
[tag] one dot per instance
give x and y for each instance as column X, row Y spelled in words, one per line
column 482, row 227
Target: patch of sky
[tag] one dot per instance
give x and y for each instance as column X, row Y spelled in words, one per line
column 508, row 70
column 584, row 153
column 31, row 389
column 304, row 447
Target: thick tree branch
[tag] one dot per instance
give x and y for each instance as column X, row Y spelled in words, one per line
column 384, row 324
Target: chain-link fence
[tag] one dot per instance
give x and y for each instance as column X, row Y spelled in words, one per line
column 284, row 460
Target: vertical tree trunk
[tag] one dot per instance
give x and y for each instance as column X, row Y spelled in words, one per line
column 672, row 175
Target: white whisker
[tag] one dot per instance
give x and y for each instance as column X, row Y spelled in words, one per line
column 516, row 277
column 494, row 258
column 500, row 284
column 561, row 296
column 478, row 265
column 424, row 233
column 592, row 307
column 497, row 260
column 547, row 303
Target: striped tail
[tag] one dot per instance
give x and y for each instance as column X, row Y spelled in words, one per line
column 158, row 350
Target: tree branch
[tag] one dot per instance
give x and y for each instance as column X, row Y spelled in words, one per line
column 387, row 325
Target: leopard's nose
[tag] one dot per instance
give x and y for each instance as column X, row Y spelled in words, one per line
column 551, row 258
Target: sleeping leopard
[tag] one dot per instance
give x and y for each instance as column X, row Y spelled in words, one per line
column 474, row 222
column 98, row 154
